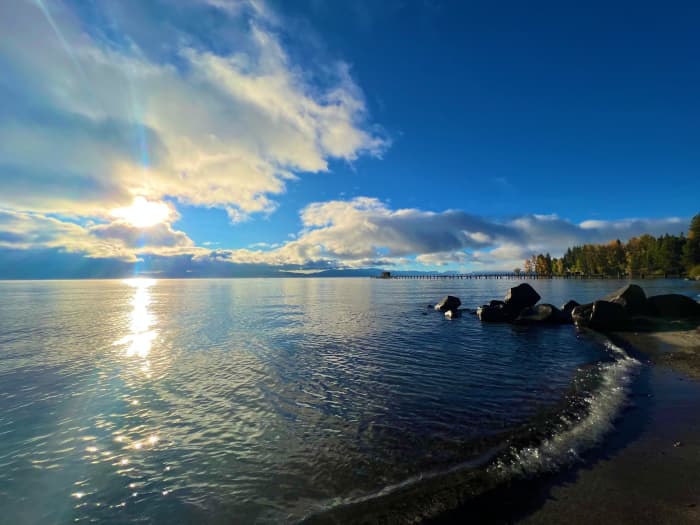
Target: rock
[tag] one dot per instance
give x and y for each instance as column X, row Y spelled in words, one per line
column 540, row 314
column 453, row 314
column 569, row 306
column 673, row 305
column 566, row 310
column 642, row 324
column 449, row 302
column 631, row 297
column 493, row 314
column 520, row 297
column 497, row 304
column 581, row 314
column 606, row 315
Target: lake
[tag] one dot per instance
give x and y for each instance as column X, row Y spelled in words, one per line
column 279, row 400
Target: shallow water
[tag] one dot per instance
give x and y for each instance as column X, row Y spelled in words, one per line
column 263, row 400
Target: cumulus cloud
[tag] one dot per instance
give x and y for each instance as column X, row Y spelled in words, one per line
column 88, row 120
column 359, row 233
column 117, row 240
column 158, row 235
column 365, row 232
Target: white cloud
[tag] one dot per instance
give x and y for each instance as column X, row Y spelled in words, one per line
column 87, row 123
column 362, row 232
column 365, row 232
column 116, row 240
column 156, row 236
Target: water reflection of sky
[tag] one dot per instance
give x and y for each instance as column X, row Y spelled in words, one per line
column 255, row 400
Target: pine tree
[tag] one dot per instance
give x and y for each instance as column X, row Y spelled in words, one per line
column 691, row 250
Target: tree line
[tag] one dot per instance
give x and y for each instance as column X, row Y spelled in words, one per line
column 643, row 256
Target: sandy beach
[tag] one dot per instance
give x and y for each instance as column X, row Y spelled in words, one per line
column 647, row 471
column 649, row 468
column 679, row 349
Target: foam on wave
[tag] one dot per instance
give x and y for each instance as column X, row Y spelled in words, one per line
column 577, row 431
column 603, row 406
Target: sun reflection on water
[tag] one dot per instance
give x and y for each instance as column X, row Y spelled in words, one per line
column 141, row 320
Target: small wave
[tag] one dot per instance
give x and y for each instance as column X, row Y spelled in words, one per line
column 581, row 432
column 574, row 430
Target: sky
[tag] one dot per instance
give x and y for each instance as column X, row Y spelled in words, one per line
column 249, row 137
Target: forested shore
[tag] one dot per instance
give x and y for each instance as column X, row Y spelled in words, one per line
column 643, row 256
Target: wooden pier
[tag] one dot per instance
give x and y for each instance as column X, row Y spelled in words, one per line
column 520, row 276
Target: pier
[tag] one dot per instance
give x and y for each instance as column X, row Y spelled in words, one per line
column 522, row 276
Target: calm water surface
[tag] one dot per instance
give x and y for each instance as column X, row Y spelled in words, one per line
column 255, row 401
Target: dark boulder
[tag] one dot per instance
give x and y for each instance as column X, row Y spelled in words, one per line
column 449, row 302
column 566, row 310
column 540, row 314
column 674, row 306
column 569, row 306
column 520, row 297
column 606, row 315
column 497, row 304
column 581, row 314
column 631, row 297
column 494, row 314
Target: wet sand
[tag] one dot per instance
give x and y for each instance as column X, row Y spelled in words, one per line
column 649, row 470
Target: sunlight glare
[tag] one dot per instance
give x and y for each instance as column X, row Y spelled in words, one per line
column 141, row 319
column 143, row 213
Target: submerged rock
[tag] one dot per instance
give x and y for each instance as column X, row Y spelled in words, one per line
column 520, row 297
column 631, row 297
column 449, row 302
column 673, row 305
column 453, row 314
column 540, row 314
column 493, row 314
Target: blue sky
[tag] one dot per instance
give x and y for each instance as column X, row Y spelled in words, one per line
column 327, row 134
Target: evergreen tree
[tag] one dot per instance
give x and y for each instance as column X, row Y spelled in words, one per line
column 643, row 255
column 691, row 250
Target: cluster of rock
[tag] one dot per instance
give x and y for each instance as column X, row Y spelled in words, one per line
column 519, row 306
column 630, row 309
column 626, row 309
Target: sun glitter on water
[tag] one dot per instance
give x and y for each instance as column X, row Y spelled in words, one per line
column 143, row 213
column 141, row 320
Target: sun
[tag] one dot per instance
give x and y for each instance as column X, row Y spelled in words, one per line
column 143, row 213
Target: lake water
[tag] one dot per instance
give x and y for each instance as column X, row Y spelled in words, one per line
column 278, row 400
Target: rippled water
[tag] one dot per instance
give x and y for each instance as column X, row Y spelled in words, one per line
column 270, row 400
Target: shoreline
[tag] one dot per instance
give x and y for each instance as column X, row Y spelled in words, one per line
column 649, row 469
column 677, row 349
column 646, row 470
